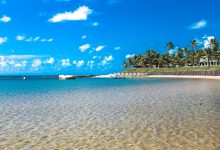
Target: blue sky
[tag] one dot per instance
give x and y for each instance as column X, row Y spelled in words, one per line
column 95, row 36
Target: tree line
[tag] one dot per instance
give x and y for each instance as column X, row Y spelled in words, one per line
column 183, row 57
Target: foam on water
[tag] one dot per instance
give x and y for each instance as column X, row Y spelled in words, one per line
column 110, row 114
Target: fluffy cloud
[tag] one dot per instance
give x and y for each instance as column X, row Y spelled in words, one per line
column 117, row 48
column 20, row 57
column 65, row 62
column 36, row 63
column 99, row 48
column 173, row 51
column 129, row 56
column 84, row 37
column 84, row 47
column 207, row 40
column 50, row 60
column 46, row 40
column 32, row 39
column 199, row 25
column 2, row 61
column 79, row 63
column 3, row 40
column 90, row 64
column 22, row 64
column 5, row 19
column 20, row 37
column 80, row 14
column 94, row 57
column 94, row 24
column 29, row 39
column 107, row 59
column 36, row 38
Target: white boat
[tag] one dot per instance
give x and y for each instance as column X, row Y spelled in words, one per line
column 24, row 78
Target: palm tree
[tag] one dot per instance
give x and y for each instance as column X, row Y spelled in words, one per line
column 169, row 46
column 214, row 45
column 160, row 62
column 180, row 53
column 208, row 52
column 199, row 54
column 194, row 43
column 217, row 57
column 125, row 64
column 166, row 59
column 151, row 56
column 191, row 57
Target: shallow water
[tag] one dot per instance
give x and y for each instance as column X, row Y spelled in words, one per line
column 110, row 114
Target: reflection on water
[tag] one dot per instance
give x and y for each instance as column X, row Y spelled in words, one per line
column 156, row 114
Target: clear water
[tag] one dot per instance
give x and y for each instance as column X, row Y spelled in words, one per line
column 110, row 114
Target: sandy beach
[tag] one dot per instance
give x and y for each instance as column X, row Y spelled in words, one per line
column 186, row 77
column 145, row 75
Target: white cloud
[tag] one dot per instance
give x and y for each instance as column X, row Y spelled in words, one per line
column 23, row 56
column 29, row 39
column 80, row 14
column 173, row 51
column 20, row 37
column 5, row 19
column 80, row 63
column 207, row 40
column 65, row 62
column 129, row 56
column 22, row 64
column 43, row 40
column 36, row 63
column 36, row 39
column 117, row 48
column 50, row 60
column 90, row 64
column 107, row 59
column 50, row 40
column 2, row 61
column 95, row 24
column 84, row 47
column 94, row 57
column 199, row 25
column 99, row 48
column 84, row 37
column 3, row 40
column 32, row 39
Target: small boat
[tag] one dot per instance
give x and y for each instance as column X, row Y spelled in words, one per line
column 24, row 78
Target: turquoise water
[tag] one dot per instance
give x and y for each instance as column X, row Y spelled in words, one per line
column 110, row 114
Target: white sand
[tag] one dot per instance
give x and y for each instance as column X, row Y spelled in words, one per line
column 187, row 77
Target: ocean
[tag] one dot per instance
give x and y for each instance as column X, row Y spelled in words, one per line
column 110, row 114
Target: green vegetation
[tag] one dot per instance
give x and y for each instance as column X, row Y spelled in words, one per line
column 181, row 69
column 185, row 59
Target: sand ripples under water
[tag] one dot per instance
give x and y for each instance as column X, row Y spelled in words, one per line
column 163, row 114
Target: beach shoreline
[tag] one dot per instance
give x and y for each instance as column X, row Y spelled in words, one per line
column 145, row 75
column 185, row 77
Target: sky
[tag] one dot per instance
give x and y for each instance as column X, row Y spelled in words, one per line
column 50, row 37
